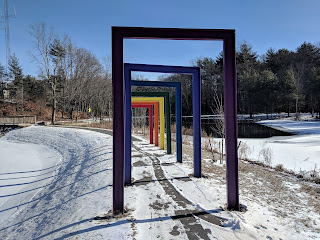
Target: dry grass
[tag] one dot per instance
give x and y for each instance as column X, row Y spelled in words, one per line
column 173, row 128
column 102, row 124
column 187, row 131
column 279, row 167
column 279, row 190
column 286, row 195
column 283, row 192
column 30, row 108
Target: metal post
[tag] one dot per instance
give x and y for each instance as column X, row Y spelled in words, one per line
column 228, row 36
column 197, row 124
column 179, row 123
column 118, row 122
column 127, row 130
column 230, row 106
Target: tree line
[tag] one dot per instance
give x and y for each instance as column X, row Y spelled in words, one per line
column 71, row 79
column 278, row 81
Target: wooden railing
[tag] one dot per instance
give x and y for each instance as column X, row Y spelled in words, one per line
column 13, row 120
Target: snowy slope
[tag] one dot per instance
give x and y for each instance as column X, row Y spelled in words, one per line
column 24, row 167
column 79, row 190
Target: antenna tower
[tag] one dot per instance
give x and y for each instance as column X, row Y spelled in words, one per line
column 7, row 32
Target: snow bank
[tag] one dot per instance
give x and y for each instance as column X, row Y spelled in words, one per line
column 24, row 166
column 79, row 188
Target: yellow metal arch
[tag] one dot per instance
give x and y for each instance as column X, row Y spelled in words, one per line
column 161, row 110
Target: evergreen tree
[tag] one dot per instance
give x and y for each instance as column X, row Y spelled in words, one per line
column 267, row 92
column 313, row 90
column 289, row 90
column 16, row 72
column 279, row 61
column 57, row 53
column 308, row 57
column 33, row 88
column 248, row 76
column 2, row 73
column 2, row 82
column 211, row 82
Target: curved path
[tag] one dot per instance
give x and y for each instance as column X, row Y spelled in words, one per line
column 67, row 206
column 80, row 189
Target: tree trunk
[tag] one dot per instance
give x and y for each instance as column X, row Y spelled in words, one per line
column 53, row 87
column 22, row 97
column 71, row 114
column 110, row 111
column 222, row 141
column 64, row 102
column 53, row 116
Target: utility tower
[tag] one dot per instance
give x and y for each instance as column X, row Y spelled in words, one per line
column 6, row 18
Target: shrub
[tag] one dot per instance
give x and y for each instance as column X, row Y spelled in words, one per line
column 280, row 167
column 244, row 151
column 266, row 153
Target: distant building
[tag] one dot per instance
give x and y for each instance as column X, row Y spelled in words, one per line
column 6, row 94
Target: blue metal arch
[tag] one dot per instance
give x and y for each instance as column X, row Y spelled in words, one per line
column 196, row 97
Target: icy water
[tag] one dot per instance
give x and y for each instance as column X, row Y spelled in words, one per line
column 246, row 129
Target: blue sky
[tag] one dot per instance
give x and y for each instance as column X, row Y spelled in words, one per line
column 263, row 24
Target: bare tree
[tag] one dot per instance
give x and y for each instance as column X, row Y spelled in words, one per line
column 77, row 79
column 219, row 126
column 107, row 100
column 86, row 86
column 48, row 56
column 42, row 38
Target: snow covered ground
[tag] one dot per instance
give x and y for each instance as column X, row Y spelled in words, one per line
column 300, row 153
column 61, row 188
column 25, row 168
column 65, row 201
column 279, row 206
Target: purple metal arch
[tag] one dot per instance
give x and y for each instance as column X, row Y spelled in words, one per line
column 230, row 87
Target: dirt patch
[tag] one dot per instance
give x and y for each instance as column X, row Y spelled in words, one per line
column 145, row 180
column 183, row 179
column 187, row 217
column 139, row 164
column 175, row 231
column 157, row 205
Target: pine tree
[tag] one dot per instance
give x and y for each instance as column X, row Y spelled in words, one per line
column 2, row 73
column 2, row 77
column 57, row 53
column 248, row 76
column 15, row 70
